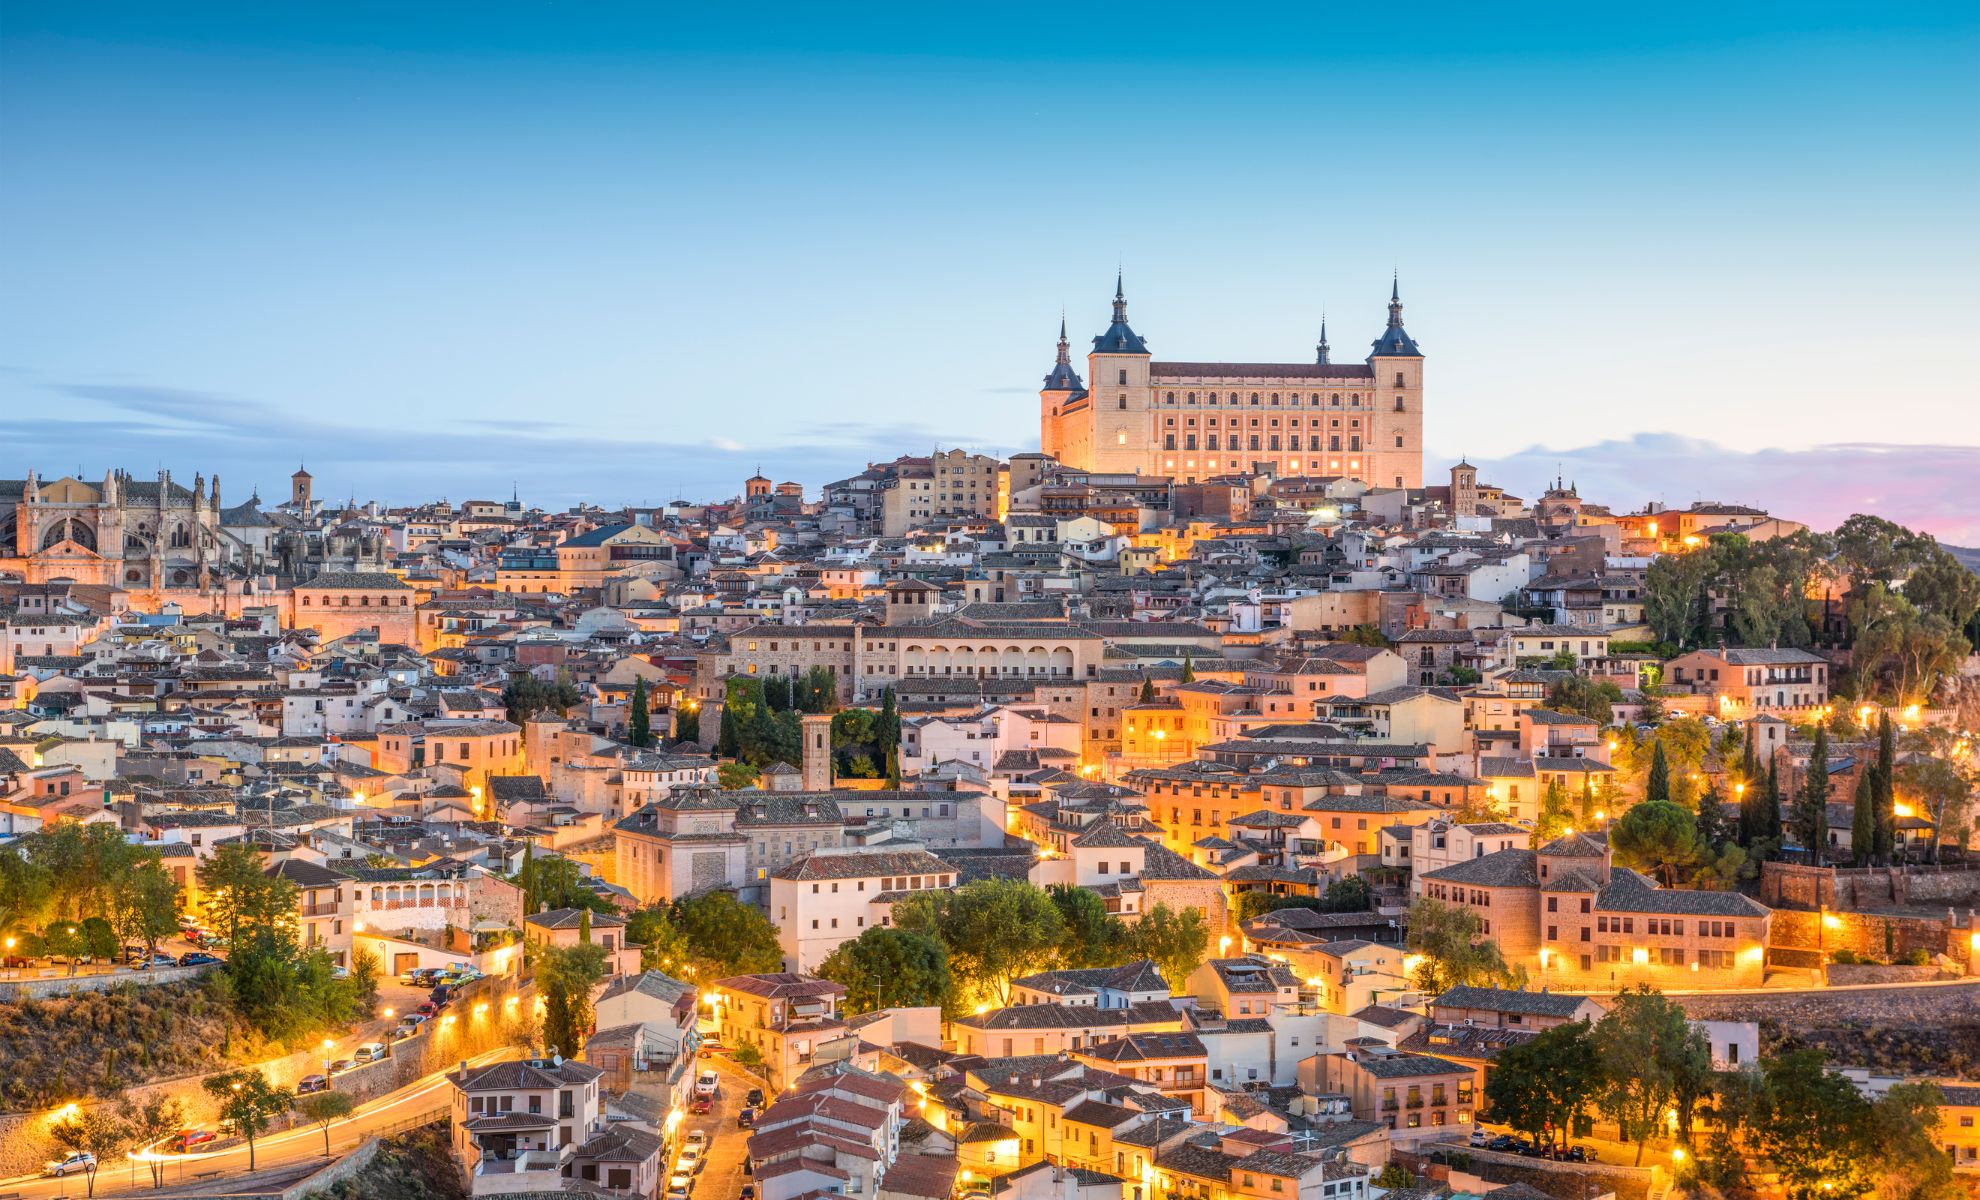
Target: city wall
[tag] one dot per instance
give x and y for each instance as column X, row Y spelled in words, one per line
column 40, row 988
column 1799, row 885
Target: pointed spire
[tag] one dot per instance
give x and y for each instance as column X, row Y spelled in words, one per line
column 1323, row 339
column 1065, row 347
column 1395, row 302
column 1120, row 299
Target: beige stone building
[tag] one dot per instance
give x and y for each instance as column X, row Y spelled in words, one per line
column 1193, row 420
column 950, row 483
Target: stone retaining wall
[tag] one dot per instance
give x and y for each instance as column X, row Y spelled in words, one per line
column 1799, row 885
column 1925, row 1007
column 38, row 988
column 1883, row 937
column 25, row 1144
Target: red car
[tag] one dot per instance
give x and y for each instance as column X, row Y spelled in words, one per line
column 182, row 1142
column 702, row 1104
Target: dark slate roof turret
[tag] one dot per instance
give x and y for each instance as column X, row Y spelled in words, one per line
column 1063, row 378
column 1119, row 339
column 1395, row 341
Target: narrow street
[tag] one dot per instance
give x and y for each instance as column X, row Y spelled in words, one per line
column 722, row 1179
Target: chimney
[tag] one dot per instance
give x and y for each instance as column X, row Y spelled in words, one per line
column 463, row 1069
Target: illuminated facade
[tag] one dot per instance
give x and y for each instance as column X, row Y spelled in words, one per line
column 1195, row 420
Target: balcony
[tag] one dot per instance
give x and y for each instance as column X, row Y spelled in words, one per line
column 319, row 910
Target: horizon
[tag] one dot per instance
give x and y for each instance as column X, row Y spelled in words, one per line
column 623, row 257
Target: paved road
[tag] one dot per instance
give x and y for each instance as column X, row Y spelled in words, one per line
column 423, row 1098
column 722, row 1179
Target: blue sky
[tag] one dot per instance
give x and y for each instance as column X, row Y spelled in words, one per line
column 624, row 253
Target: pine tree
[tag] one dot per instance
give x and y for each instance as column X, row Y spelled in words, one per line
column 526, row 877
column 1658, row 787
column 1883, row 798
column 1147, row 690
column 1811, row 810
column 1863, row 821
column 1714, row 827
column 1189, row 668
column 639, row 729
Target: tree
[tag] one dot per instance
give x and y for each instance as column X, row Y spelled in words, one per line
column 1863, row 818
column 639, row 717
column 687, row 722
column 1451, row 939
column 728, row 742
column 556, row 882
column 1585, row 697
column 996, row 931
column 886, row 967
column 1716, row 825
column 157, row 1117
column 662, row 947
column 1542, row 1087
column 324, row 1109
column 1811, row 808
column 1147, row 694
column 734, row 776
column 1366, row 635
column 1555, row 817
column 1659, row 837
column 1942, row 792
column 526, row 695
column 1188, row 668
column 27, row 889
column 724, row 936
column 1175, row 941
column 1658, row 789
column 1814, row 1126
column 584, row 927
column 91, row 1131
column 1094, row 937
column 565, row 976
column 145, row 906
column 1394, row 1176
column 1883, row 799
column 1650, row 1053
column 1349, row 893
column 1900, row 652
column 1907, row 1160
column 239, row 895
column 248, row 1102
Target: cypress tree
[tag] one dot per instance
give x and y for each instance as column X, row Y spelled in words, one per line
column 584, row 927
column 1587, row 801
column 1811, row 810
column 1147, row 690
column 728, row 743
column 887, row 730
column 1712, row 821
column 1658, row 787
column 526, row 877
column 1771, row 802
column 1189, row 668
column 1883, row 797
column 639, row 729
column 1863, row 821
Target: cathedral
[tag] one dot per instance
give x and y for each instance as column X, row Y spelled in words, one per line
column 158, row 534
column 1193, row 420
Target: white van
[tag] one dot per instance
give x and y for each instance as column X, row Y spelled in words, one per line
column 371, row 1052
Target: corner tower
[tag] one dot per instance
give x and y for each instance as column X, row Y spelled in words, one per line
column 1397, row 453
column 1061, row 404
column 1119, row 393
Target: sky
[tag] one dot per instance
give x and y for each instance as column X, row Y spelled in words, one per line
column 624, row 253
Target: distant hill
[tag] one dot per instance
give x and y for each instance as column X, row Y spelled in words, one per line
column 1968, row 557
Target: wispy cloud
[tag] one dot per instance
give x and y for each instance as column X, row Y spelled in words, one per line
column 1931, row 488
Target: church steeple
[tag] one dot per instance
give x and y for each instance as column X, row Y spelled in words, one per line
column 1322, row 360
column 1119, row 339
column 1395, row 341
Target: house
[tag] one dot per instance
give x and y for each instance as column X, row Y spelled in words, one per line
column 517, row 1124
column 569, row 926
column 1742, row 683
column 1418, row 1097
column 326, row 900
column 827, row 898
column 792, row 1020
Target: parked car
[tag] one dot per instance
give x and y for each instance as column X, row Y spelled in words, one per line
column 755, row 1098
column 676, row 1196
column 1480, row 1138
column 312, row 1083
column 341, row 1065
column 81, row 1160
column 708, row 1083
column 403, row 1031
column 428, row 1009
column 197, row 958
column 414, row 1018
column 680, row 1183
column 441, row 993
column 746, row 1118
column 748, row 1192
column 371, row 1052
column 701, row 1104
column 187, row 1139
column 690, row 1161
column 697, row 1137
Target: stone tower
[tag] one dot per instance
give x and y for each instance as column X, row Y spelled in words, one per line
column 817, row 751
column 1118, row 390
column 1398, row 396
column 1063, row 390
column 1464, row 490
column 299, row 490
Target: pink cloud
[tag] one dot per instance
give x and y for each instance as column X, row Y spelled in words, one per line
column 1931, row 488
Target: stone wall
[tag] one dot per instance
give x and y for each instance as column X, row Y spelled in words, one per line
column 1923, row 1006
column 25, row 1143
column 1798, row 885
column 63, row 985
column 1881, row 937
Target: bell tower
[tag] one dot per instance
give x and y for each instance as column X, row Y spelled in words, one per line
column 299, row 490
column 1119, row 395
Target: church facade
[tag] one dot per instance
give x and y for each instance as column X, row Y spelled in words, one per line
column 120, row 532
column 1191, row 421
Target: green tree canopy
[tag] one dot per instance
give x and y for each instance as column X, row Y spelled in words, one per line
column 1094, row 936
column 996, row 931
column 1542, row 1087
column 724, row 936
column 1658, row 837
column 248, row 1102
column 887, row 967
column 1651, row 1057
column 1176, row 941
column 1451, row 938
